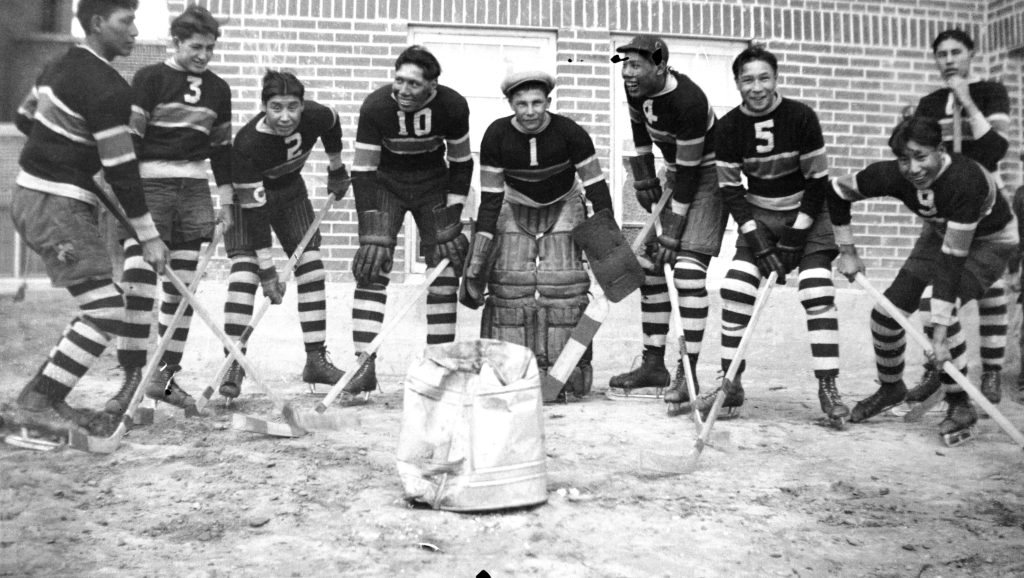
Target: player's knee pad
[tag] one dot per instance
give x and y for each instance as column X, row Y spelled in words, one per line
column 310, row 268
column 511, row 320
column 514, row 275
column 816, row 291
column 690, row 275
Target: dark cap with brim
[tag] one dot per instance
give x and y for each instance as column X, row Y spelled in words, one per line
column 649, row 45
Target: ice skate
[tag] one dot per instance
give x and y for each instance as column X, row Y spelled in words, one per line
column 231, row 385
column 992, row 386
column 734, row 397
column 42, row 422
column 357, row 391
column 926, row 387
column 679, row 394
column 961, row 417
column 117, row 405
column 646, row 382
column 885, row 397
column 164, row 388
column 836, row 412
column 319, row 369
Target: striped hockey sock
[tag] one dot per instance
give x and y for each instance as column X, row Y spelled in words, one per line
column 184, row 263
column 442, row 304
column 310, row 276
column 138, row 281
column 817, row 295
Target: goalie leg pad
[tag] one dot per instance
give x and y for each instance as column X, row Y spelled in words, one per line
column 514, row 274
column 560, row 272
column 511, row 320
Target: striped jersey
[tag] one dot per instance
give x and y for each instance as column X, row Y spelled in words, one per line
column 412, row 148
column 963, row 204
column 681, row 122
column 537, row 168
column 181, row 116
column 76, row 120
column 990, row 145
column 263, row 161
column 782, row 153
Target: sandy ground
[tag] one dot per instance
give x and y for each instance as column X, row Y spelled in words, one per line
column 778, row 495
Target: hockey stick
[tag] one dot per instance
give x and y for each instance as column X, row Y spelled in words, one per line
column 99, row 445
column 948, row 366
column 668, row 464
column 650, row 225
column 958, row 128
column 352, row 367
column 289, row 272
column 684, row 357
column 20, row 268
column 553, row 382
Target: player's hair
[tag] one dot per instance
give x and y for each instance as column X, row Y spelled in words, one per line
column 953, row 34
column 194, row 20
column 421, row 57
column 280, row 83
column 541, row 86
column 921, row 129
column 102, row 8
column 751, row 54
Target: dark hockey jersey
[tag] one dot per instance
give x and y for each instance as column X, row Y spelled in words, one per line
column 782, row 154
column 180, row 116
column 681, row 122
column 988, row 147
column 411, row 148
column 76, row 120
column 963, row 204
column 263, row 161
column 540, row 167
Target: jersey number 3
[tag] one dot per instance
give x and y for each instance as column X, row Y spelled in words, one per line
column 763, row 134
column 194, row 91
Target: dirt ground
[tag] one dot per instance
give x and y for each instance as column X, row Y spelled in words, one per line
column 778, row 495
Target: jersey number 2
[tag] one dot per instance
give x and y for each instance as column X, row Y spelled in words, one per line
column 195, row 92
column 294, row 142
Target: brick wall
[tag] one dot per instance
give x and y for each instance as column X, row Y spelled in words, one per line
column 856, row 63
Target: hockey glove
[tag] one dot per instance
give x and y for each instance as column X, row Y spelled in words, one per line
column 338, row 182
column 791, row 247
column 765, row 252
column 667, row 248
column 376, row 247
column 451, row 243
column 474, row 279
column 273, row 288
column 645, row 181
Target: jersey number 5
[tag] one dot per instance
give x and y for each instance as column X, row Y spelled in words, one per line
column 421, row 122
column 763, row 133
column 195, row 92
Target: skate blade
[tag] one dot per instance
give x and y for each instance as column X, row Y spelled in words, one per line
column 919, row 409
column 261, row 426
column 643, row 394
column 26, row 441
column 959, row 437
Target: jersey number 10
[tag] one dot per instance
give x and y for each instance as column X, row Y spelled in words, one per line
column 421, row 122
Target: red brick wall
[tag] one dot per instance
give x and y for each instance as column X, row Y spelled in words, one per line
column 856, row 63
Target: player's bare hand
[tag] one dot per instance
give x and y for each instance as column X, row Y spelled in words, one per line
column 156, row 254
column 849, row 264
column 940, row 352
column 961, row 89
column 225, row 217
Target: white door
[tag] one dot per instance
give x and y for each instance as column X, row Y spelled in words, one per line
column 474, row 62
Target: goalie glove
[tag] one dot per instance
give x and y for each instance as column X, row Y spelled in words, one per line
column 450, row 244
column 273, row 288
column 765, row 252
column 645, row 181
column 376, row 247
column 338, row 182
column 477, row 270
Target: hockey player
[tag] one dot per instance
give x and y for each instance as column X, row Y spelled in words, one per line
column 531, row 200
column 267, row 159
column 968, row 237
column 982, row 108
column 76, row 119
column 180, row 118
column 669, row 110
column 777, row 144
column 412, row 155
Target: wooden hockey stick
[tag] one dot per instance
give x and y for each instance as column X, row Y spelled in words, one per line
column 670, row 464
column 958, row 128
column 948, row 366
column 352, row 367
column 101, row 445
column 289, row 272
column 650, row 225
column 691, row 389
column 553, row 382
